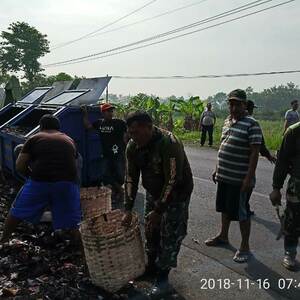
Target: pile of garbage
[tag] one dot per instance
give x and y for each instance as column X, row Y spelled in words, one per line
column 36, row 264
column 17, row 130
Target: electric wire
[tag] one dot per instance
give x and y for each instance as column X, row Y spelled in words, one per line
column 212, row 76
column 101, row 28
column 149, row 19
column 157, row 36
column 92, row 57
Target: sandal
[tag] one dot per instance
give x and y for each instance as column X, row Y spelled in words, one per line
column 215, row 242
column 242, row 256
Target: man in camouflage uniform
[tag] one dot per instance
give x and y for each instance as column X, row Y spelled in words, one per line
column 166, row 175
column 289, row 162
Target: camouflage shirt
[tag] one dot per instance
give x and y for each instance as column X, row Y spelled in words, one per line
column 165, row 170
column 289, row 157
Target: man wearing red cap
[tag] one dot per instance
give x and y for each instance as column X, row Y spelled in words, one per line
column 113, row 137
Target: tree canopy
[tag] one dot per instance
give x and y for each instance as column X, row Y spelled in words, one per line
column 272, row 102
column 21, row 47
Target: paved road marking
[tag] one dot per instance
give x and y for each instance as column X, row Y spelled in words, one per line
column 211, row 182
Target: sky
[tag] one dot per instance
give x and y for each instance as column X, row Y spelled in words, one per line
column 265, row 42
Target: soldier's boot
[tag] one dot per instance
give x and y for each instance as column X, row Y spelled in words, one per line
column 151, row 268
column 162, row 286
column 289, row 261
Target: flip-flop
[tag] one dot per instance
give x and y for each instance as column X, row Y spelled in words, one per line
column 215, row 242
column 242, row 256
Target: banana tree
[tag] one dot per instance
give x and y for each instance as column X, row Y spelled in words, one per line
column 152, row 106
column 138, row 102
column 121, row 110
column 166, row 111
column 192, row 110
column 198, row 110
column 147, row 103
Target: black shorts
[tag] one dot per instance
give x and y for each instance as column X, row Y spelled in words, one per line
column 232, row 202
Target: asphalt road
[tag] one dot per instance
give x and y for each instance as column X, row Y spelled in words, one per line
column 205, row 272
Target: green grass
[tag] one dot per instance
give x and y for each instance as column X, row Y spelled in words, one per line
column 272, row 131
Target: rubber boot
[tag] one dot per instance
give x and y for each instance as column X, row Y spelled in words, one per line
column 162, row 287
column 289, row 261
column 151, row 268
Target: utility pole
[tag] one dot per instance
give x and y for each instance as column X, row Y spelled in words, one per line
column 106, row 100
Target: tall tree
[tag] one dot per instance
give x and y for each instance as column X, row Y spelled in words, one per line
column 21, row 48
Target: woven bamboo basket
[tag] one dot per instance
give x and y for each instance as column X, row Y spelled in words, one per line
column 114, row 255
column 95, row 201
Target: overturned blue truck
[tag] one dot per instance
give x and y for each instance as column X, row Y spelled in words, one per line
column 21, row 120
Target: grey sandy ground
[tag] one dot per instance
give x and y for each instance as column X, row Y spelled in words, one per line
column 198, row 263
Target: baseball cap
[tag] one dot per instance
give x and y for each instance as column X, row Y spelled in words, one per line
column 294, row 101
column 250, row 103
column 106, row 106
column 238, row 94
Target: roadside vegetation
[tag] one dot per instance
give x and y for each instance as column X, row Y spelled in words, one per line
column 272, row 131
column 183, row 116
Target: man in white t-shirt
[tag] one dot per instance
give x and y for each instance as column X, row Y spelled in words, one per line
column 291, row 116
column 207, row 123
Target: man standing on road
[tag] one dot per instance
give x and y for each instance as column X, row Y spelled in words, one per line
column 113, row 137
column 50, row 158
column 292, row 115
column 235, row 172
column 166, row 175
column 207, row 123
column 264, row 151
column 289, row 162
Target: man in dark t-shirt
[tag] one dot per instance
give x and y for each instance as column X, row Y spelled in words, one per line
column 113, row 138
column 50, row 158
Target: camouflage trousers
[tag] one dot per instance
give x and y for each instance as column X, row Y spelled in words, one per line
column 292, row 216
column 163, row 244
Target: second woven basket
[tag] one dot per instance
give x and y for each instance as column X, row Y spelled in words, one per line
column 95, row 201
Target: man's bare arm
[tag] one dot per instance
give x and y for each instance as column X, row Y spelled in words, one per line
column 22, row 163
column 85, row 117
column 253, row 159
column 285, row 126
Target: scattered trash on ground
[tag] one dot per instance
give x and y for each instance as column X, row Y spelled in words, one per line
column 36, row 264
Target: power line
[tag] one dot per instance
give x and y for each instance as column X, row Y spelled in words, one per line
column 207, row 20
column 103, row 27
column 208, row 76
column 150, row 18
column 92, row 57
column 178, row 36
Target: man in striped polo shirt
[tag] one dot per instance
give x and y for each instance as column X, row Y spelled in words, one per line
column 235, row 172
